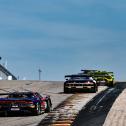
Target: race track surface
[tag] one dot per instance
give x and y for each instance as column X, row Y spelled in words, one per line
column 74, row 109
column 52, row 88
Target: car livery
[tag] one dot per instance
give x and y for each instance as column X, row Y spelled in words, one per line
column 101, row 77
column 25, row 102
column 79, row 82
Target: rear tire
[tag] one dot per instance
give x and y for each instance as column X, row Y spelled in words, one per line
column 95, row 89
column 66, row 90
column 49, row 106
column 110, row 84
column 5, row 114
column 37, row 109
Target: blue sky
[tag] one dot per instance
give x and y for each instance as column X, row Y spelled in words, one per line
column 62, row 36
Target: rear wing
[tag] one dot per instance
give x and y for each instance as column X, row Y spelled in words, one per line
column 89, row 70
column 77, row 75
column 111, row 73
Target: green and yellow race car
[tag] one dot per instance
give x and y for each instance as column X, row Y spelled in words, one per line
column 101, row 77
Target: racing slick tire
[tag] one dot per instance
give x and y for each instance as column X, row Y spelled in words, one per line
column 5, row 113
column 95, row 89
column 110, row 84
column 66, row 90
column 37, row 109
column 48, row 106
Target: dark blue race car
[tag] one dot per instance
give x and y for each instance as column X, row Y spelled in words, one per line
column 25, row 102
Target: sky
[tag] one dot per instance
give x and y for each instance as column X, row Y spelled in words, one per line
column 62, row 37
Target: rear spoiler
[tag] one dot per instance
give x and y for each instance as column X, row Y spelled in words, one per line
column 88, row 70
column 111, row 72
column 77, row 75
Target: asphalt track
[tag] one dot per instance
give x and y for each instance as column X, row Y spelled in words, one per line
column 65, row 113
column 94, row 112
column 54, row 89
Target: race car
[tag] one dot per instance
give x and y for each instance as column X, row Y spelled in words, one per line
column 101, row 77
column 25, row 102
column 79, row 82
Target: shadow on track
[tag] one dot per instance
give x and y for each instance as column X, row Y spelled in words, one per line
column 15, row 114
column 94, row 112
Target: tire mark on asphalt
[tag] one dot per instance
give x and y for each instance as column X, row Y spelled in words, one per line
column 95, row 112
column 66, row 112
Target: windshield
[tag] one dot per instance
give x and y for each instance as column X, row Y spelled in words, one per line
column 80, row 78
